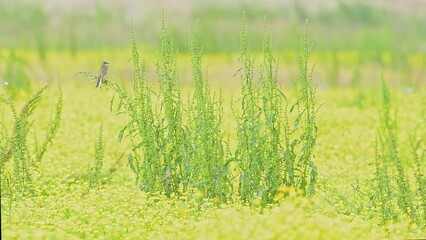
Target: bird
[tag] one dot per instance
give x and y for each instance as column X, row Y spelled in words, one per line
column 102, row 72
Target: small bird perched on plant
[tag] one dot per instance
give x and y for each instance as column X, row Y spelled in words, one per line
column 102, row 72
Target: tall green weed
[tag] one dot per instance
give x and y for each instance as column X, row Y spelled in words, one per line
column 19, row 157
column 392, row 193
column 271, row 152
column 15, row 148
column 209, row 168
column 180, row 148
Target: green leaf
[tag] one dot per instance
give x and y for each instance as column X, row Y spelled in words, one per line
column 111, row 105
column 130, row 162
column 297, row 121
column 121, row 133
column 283, row 95
column 294, row 105
column 294, row 143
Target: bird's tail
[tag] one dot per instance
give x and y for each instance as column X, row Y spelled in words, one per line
column 98, row 84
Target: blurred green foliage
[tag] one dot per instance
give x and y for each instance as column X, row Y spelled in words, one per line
column 349, row 38
column 15, row 76
column 355, row 26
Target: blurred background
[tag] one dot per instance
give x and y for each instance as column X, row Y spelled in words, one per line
column 354, row 40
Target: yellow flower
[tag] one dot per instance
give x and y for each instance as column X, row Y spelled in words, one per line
column 257, row 202
column 285, row 189
column 279, row 196
column 198, row 195
column 216, row 200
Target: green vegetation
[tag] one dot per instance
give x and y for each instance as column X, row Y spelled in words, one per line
column 210, row 169
column 180, row 147
column 16, row 76
column 218, row 146
column 373, row 30
column 265, row 165
column 15, row 148
column 20, row 158
column 391, row 173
